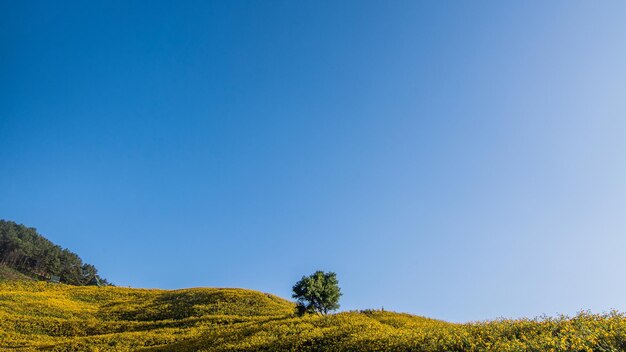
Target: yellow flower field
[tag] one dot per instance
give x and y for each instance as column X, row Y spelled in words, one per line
column 38, row 316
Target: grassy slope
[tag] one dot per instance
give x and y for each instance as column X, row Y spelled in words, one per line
column 7, row 273
column 41, row 316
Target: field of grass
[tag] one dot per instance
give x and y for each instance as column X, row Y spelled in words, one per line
column 37, row 316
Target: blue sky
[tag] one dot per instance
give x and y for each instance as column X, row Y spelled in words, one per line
column 460, row 160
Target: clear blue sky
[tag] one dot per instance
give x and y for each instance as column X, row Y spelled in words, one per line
column 461, row 160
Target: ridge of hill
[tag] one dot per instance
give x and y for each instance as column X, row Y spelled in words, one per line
column 37, row 316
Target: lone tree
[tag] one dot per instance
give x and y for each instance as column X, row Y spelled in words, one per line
column 317, row 293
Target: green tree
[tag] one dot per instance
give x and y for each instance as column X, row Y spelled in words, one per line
column 317, row 293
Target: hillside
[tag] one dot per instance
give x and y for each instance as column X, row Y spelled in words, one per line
column 38, row 316
column 8, row 273
column 26, row 253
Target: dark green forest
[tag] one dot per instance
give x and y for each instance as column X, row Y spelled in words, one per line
column 28, row 252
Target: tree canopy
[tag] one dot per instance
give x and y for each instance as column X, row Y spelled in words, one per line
column 317, row 293
column 23, row 249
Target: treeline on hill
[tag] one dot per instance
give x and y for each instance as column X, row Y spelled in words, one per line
column 26, row 251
